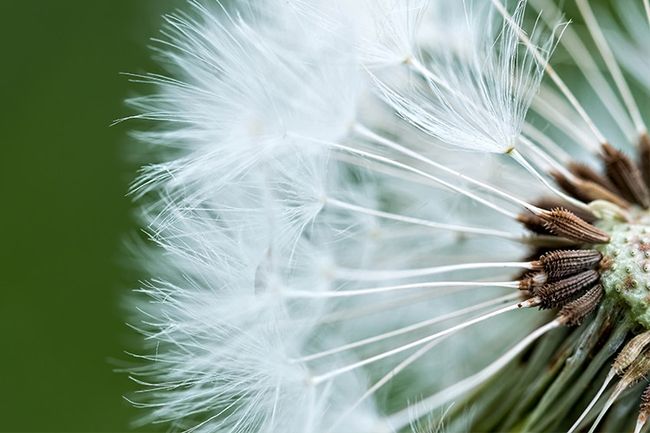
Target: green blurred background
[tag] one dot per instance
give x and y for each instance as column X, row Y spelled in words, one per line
column 65, row 215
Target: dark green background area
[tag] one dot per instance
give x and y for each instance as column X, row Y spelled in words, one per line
column 64, row 214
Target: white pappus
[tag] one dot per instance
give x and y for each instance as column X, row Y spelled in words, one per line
column 341, row 206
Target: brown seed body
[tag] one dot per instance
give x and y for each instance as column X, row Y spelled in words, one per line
column 645, row 401
column 573, row 313
column 644, row 158
column 625, row 175
column 630, row 352
column 585, row 172
column 562, row 222
column 561, row 263
column 553, row 295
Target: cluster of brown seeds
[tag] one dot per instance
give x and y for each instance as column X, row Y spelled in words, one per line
column 568, row 277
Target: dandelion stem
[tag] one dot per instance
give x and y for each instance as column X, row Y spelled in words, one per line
column 392, row 305
column 546, row 158
column 610, row 401
column 554, row 109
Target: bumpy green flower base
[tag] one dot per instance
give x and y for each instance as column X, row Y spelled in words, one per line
column 626, row 271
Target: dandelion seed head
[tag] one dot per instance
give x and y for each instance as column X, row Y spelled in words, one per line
column 354, row 223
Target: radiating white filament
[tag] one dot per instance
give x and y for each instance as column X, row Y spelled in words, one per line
column 400, row 419
column 306, row 294
column 409, row 328
column 413, row 344
column 593, row 401
column 377, row 275
column 612, row 65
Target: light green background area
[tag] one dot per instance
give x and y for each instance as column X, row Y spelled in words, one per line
column 64, row 215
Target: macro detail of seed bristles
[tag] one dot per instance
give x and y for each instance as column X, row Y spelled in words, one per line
column 395, row 215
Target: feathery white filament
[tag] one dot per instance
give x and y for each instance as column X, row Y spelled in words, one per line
column 521, row 160
column 421, row 222
column 477, row 103
column 409, row 328
column 289, row 271
column 550, row 71
column 432, row 337
column 383, row 289
column 374, row 275
column 593, row 401
column 436, row 179
column 396, row 146
column 612, row 65
column 402, row 418
column 588, row 66
column 618, row 390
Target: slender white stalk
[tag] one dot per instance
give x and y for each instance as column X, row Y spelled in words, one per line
column 467, row 193
column 546, row 105
column 396, row 146
column 546, row 142
column 546, row 158
column 326, row 294
column 588, row 66
column 620, row 387
column 375, row 275
column 402, row 418
column 387, row 377
column 646, row 6
column 612, row 65
column 550, row 71
column 421, row 222
column 413, row 344
column 390, row 305
column 640, row 422
column 593, row 401
column 524, row 163
column 409, row 328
